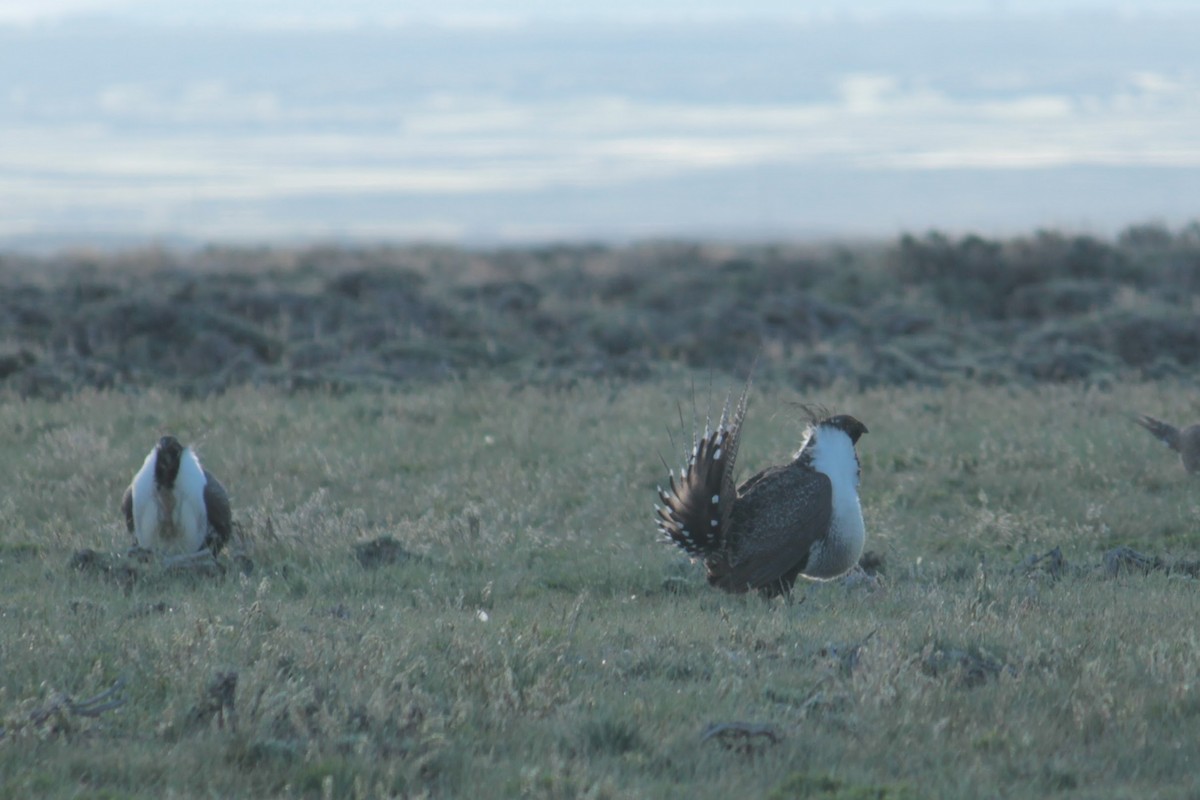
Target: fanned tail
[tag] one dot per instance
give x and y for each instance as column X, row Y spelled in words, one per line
column 1169, row 434
column 696, row 508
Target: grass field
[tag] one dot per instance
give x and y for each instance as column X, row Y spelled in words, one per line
column 538, row 641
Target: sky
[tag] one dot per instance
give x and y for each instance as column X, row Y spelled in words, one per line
column 528, row 121
column 321, row 12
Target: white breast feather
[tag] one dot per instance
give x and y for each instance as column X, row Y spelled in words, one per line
column 833, row 454
column 184, row 530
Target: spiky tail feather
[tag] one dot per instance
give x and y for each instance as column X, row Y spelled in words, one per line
column 1169, row 434
column 695, row 511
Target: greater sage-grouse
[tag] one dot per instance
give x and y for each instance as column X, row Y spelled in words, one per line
column 802, row 518
column 175, row 507
column 1186, row 442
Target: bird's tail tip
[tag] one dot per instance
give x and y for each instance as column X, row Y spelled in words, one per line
column 1168, row 433
column 693, row 509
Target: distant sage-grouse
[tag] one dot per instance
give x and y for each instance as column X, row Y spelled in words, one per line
column 802, row 518
column 1186, row 442
column 174, row 506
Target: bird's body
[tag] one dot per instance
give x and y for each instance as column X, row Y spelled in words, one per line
column 1186, row 442
column 174, row 506
column 799, row 519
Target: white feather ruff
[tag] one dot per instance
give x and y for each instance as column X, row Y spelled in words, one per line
column 833, row 454
column 173, row 520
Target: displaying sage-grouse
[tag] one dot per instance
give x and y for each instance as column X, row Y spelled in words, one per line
column 802, row 518
column 1186, row 442
column 175, row 507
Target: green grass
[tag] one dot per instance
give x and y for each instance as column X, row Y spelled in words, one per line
column 544, row 644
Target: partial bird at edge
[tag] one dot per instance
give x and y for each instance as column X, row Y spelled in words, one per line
column 1185, row 441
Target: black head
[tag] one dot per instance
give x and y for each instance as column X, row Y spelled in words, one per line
column 166, row 461
column 847, row 423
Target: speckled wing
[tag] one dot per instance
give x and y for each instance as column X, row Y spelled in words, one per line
column 220, row 517
column 779, row 514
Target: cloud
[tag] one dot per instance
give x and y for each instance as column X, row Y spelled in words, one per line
column 204, row 102
column 25, row 12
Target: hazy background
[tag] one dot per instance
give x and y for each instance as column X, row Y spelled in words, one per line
column 484, row 122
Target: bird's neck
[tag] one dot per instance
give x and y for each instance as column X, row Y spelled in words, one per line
column 829, row 450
